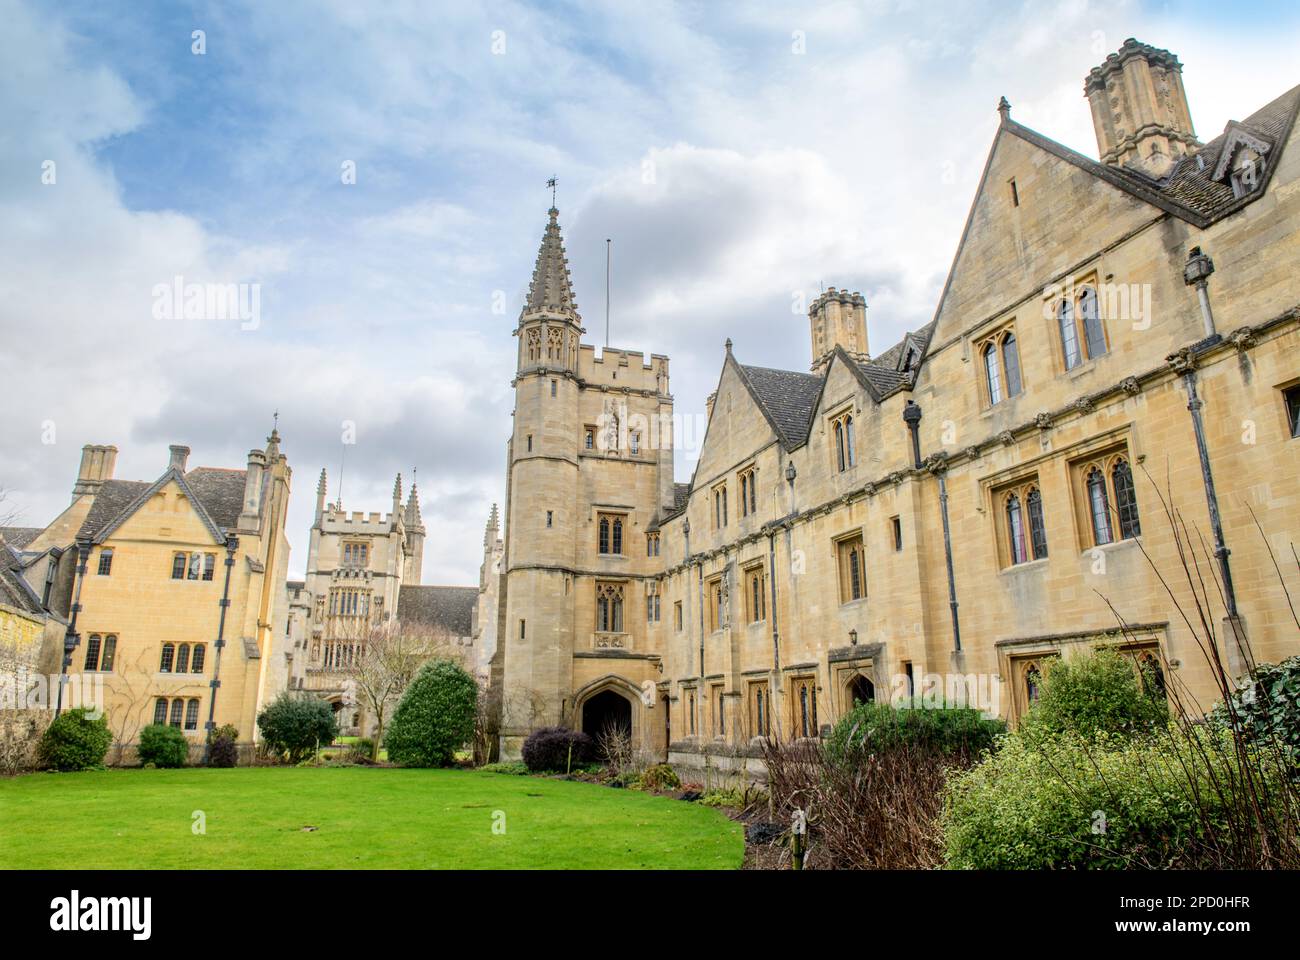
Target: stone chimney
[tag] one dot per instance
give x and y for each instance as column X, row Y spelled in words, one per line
column 1139, row 109
column 180, row 456
column 838, row 318
column 97, row 463
column 248, row 519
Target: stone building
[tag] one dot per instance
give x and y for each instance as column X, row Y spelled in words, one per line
column 171, row 589
column 986, row 494
column 363, row 574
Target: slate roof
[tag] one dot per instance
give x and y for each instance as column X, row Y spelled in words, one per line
column 221, row 492
column 14, row 590
column 19, row 537
column 1189, row 183
column 218, row 491
column 451, row 608
column 681, row 494
column 111, row 501
column 786, row 398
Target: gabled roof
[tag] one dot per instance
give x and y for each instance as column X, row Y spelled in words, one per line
column 217, row 495
column 551, row 290
column 1190, row 191
column 449, row 608
column 786, row 397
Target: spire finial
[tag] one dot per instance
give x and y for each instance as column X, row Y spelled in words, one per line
column 1004, row 109
column 551, row 183
column 728, row 346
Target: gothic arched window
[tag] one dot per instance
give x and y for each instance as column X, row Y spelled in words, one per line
column 1069, row 335
column 178, row 708
column 192, row 715
column 1011, row 363
column 160, row 710
column 196, row 661
column 992, row 376
column 1093, row 334
column 1037, row 529
column 1099, row 507
column 1016, row 530
column 183, row 658
column 1125, row 500
column 168, row 654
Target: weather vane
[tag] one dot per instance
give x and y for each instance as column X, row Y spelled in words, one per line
column 551, row 183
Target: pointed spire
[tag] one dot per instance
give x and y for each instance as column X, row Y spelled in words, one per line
column 397, row 489
column 551, row 290
column 412, row 518
column 490, row 534
column 320, row 486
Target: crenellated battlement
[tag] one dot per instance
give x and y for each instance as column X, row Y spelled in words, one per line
column 623, row 368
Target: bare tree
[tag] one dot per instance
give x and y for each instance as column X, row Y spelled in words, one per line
column 7, row 514
column 387, row 660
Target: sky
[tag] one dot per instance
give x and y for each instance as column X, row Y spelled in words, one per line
column 377, row 173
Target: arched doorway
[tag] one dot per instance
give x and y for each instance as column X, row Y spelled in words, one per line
column 604, row 711
column 861, row 690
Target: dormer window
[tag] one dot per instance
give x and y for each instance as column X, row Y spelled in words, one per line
column 1247, row 171
column 1242, row 160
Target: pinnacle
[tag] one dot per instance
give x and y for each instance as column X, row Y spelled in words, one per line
column 551, row 290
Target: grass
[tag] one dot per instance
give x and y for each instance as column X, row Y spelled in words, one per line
column 365, row 818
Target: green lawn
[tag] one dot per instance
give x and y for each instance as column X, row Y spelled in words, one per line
column 365, row 818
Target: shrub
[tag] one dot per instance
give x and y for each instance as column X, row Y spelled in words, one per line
column 1095, row 693
column 1267, row 707
column 435, row 718
column 75, row 741
column 514, row 768
column 362, row 751
column 660, row 777
column 872, row 728
column 558, row 748
column 163, row 746
column 879, row 812
column 223, row 750
column 293, row 726
column 1106, row 802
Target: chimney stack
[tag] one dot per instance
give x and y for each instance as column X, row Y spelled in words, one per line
column 1139, row 109
column 180, row 455
column 249, row 519
column 838, row 318
column 97, row 463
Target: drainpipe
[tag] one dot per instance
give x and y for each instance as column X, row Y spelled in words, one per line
column 232, row 543
column 912, row 417
column 71, row 639
column 1196, row 273
column 771, row 566
column 1221, row 551
column 938, row 465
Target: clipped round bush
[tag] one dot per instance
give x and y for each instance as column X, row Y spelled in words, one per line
column 877, row 727
column 163, row 746
column 223, row 750
column 1267, row 707
column 435, row 718
column 558, row 748
column 293, row 726
column 75, row 740
column 1095, row 693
